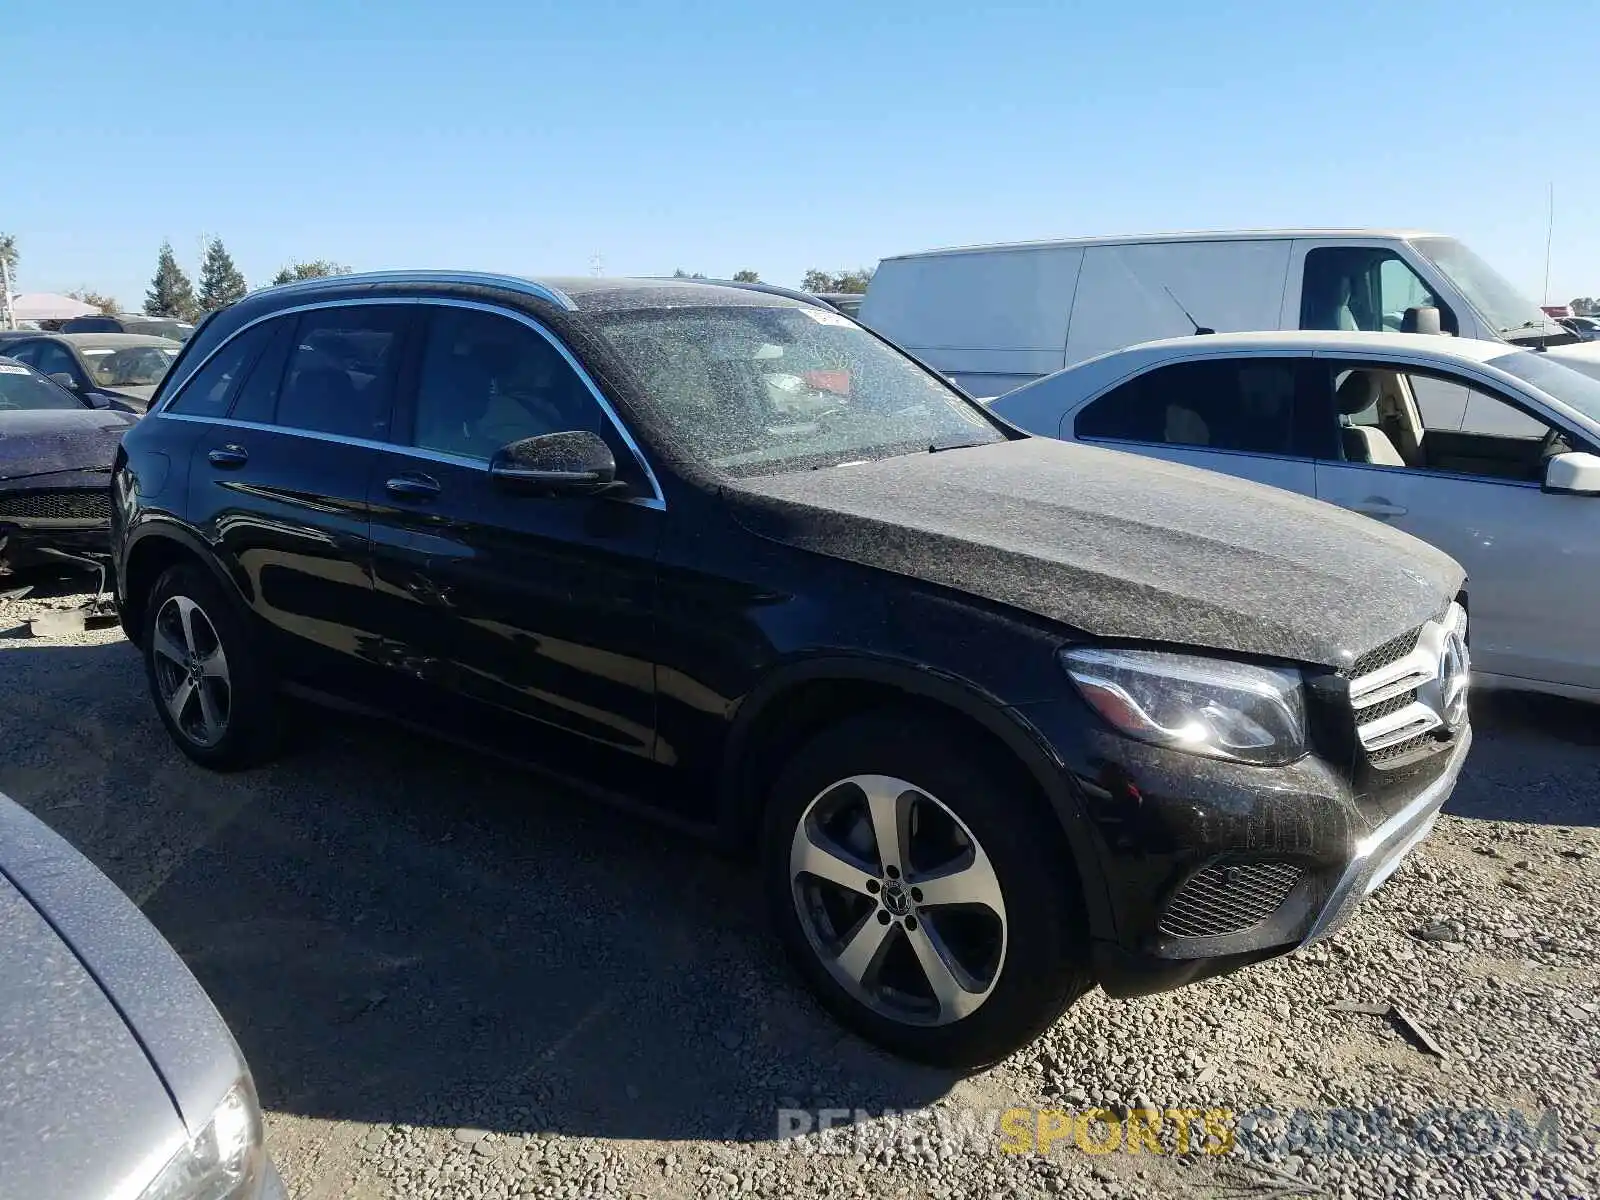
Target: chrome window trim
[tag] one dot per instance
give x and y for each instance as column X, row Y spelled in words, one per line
column 656, row 501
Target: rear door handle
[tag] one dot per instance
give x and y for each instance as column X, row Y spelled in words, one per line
column 413, row 487
column 1379, row 508
column 228, row 456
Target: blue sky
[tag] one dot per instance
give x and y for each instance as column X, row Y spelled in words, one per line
column 712, row 136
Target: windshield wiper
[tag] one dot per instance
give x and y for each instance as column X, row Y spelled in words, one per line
column 1510, row 329
column 936, row 447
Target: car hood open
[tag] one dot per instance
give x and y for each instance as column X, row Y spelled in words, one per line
column 1118, row 546
column 37, row 441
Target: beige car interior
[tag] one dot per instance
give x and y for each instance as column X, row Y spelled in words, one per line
column 1378, row 419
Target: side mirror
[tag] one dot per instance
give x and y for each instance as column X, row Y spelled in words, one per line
column 96, row 400
column 1422, row 319
column 65, row 379
column 574, row 464
column 1575, row 474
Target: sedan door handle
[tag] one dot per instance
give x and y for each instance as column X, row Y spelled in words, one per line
column 1379, row 508
column 228, row 456
column 413, row 487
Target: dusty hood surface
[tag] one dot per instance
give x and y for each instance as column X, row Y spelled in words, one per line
column 1118, row 545
column 82, row 1113
column 1580, row 356
column 34, row 441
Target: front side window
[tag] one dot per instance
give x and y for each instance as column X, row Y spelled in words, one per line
column 21, row 388
column 50, row 359
column 753, row 390
column 127, row 366
column 486, row 381
column 1429, row 422
column 340, row 373
column 1363, row 287
column 1220, row 404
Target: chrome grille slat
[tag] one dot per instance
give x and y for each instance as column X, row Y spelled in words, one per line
column 1396, row 690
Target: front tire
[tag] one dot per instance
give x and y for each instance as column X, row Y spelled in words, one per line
column 206, row 673
column 916, row 886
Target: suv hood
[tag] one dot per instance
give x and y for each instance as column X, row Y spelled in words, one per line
column 1118, row 546
column 35, row 441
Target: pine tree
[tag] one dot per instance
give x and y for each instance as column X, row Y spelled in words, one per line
column 220, row 281
column 171, row 294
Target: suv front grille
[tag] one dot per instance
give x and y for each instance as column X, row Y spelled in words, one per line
column 59, row 504
column 1411, row 689
column 1228, row 898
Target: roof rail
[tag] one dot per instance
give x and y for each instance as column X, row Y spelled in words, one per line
column 512, row 283
column 771, row 289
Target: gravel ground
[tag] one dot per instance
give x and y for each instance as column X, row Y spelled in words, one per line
column 452, row 981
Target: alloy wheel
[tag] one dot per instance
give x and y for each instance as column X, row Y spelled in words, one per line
column 898, row 900
column 192, row 671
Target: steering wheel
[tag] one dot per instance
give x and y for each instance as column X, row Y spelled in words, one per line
column 1548, row 445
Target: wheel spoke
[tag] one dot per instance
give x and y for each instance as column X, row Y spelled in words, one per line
column 179, row 700
column 169, row 649
column 210, row 717
column 864, row 951
column 186, row 609
column 215, row 665
column 808, row 857
column 889, row 803
column 971, row 882
column 955, row 1001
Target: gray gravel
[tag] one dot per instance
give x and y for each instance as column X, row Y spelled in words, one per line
column 453, row 981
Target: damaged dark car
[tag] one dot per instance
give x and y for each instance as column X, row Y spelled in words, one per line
column 1000, row 718
column 55, row 470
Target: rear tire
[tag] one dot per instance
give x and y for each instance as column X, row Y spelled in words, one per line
column 206, row 673
column 961, row 971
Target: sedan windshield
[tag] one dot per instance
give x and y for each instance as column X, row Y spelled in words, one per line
column 1511, row 314
column 127, row 366
column 22, row 388
column 1573, row 388
column 760, row 391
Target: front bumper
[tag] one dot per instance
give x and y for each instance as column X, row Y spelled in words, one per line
column 24, row 544
column 1196, row 867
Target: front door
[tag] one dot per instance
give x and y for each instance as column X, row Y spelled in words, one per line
column 513, row 605
column 1468, row 479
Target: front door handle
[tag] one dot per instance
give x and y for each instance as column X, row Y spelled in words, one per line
column 413, row 487
column 1379, row 508
column 228, row 456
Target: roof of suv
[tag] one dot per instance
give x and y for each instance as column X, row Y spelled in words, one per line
column 578, row 293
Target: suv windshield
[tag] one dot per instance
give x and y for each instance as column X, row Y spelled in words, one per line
column 759, row 391
column 1508, row 311
column 127, row 366
column 22, row 388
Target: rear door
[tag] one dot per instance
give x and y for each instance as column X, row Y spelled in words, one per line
column 279, row 485
column 535, row 614
column 1472, row 486
column 1234, row 415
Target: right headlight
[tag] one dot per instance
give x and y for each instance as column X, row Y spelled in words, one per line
column 224, row 1161
column 1208, row 706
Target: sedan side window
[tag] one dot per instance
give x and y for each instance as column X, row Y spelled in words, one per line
column 51, row 359
column 1224, row 404
column 487, row 380
column 1390, row 418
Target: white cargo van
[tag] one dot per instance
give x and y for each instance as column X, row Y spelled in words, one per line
column 995, row 317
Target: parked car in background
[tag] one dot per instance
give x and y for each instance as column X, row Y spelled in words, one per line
column 996, row 317
column 1584, row 328
column 122, row 368
column 117, row 1076
column 167, row 327
column 55, row 468
column 1484, row 450
column 1001, row 718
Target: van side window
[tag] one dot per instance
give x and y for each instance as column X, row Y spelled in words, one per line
column 1221, row 404
column 1363, row 287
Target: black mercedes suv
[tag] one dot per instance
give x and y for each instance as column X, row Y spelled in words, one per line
column 1000, row 717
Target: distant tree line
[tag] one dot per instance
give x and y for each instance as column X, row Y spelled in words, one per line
column 1585, row 306
column 171, row 293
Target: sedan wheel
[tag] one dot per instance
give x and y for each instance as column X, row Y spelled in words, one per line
column 192, row 671
column 899, row 900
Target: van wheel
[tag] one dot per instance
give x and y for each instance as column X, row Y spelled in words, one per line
column 918, row 891
column 207, row 677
